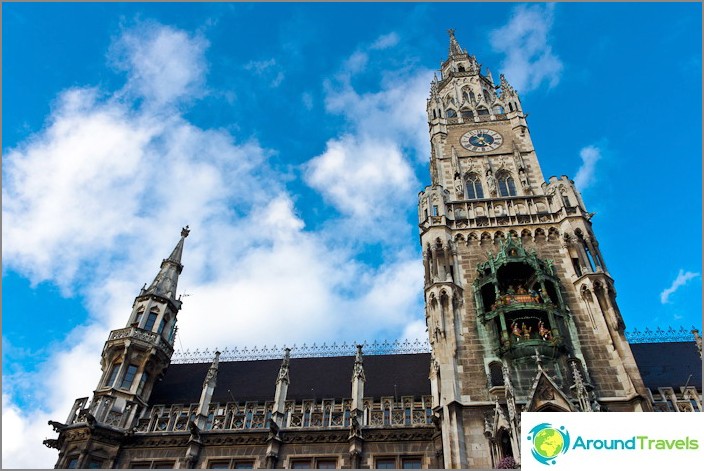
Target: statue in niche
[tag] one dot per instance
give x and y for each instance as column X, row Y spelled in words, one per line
column 543, row 331
column 516, row 331
column 526, row 330
column 459, row 189
column 491, row 183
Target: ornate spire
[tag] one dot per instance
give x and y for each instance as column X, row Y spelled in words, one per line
column 454, row 45
column 358, row 372
column 283, row 371
column 581, row 390
column 167, row 279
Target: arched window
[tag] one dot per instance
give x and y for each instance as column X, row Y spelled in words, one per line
column 498, row 109
column 496, row 374
column 465, row 95
column 481, row 111
column 510, row 106
column 507, row 187
column 460, row 68
column 474, row 187
column 450, row 113
column 472, row 97
column 467, row 114
column 487, row 96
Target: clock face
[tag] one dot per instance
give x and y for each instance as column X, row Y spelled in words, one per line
column 481, row 140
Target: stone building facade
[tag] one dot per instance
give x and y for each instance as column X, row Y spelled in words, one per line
column 521, row 315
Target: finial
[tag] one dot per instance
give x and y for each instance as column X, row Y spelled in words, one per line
column 185, row 231
column 451, row 32
column 538, row 359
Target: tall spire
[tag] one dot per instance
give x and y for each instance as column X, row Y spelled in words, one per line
column 167, row 279
column 454, row 45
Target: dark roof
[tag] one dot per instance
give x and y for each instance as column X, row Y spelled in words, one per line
column 668, row 364
column 310, row 378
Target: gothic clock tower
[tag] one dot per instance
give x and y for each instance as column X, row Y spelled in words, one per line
column 520, row 307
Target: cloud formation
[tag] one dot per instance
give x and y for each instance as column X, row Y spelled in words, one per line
column 524, row 40
column 585, row 175
column 682, row 279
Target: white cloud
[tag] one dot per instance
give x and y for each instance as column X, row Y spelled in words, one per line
column 524, row 40
column 584, row 177
column 362, row 176
column 163, row 64
column 682, row 279
column 95, row 200
column 385, row 41
column 269, row 69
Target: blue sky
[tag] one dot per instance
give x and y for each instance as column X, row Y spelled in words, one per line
column 292, row 139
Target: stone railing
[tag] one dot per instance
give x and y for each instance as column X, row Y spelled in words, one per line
column 312, row 414
column 143, row 335
column 486, row 213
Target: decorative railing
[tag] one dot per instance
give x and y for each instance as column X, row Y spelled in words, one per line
column 144, row 335
column 310, row 414
column 302, row 351
column 660, row 335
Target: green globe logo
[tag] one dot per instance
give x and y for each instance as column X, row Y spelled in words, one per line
column 548, row 442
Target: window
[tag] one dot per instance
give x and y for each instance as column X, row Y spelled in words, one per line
column 231, row 464
column 474, row 187
column 140, row 314
column 326, row 464
column 487, row 96
column 151, row 319
column 450, row 113
column 113, row 374
column 72, row 462
column 142, row 382
column 467, row 114
column 498, row 109
column 314, row 463
column 506, row 185
column 496, row 374
column 154, row 465
column 219, row 465
column 161, row 326
column 129, row 377
column 435, row 210
column 411, row 463
column 386, row 463
column 482, row 111
column 94, row 463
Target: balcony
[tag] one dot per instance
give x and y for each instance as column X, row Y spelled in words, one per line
column 141, row 336
column 506, row 211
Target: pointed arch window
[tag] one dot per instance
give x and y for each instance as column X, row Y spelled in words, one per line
column 151, row 319
column 113, row 374
column 467, row 114
column 487, row 96
column 507, row 187
column 474, row 187
column 142, row 381
column 129, row 377
column 481, row 111
column 450, row 113
column 498, row 109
